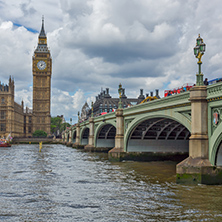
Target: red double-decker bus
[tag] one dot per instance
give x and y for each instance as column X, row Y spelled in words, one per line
column 185, row 87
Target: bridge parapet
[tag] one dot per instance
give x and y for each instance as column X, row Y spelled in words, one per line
column 173, row 101
column 214, row 92
column 85, row 123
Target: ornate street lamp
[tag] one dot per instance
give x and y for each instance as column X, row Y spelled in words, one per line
column 120, row 91
column 199, row 50
column 92, row 109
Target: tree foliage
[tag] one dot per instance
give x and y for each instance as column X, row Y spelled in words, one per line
column 39, row 133
column 57, row 126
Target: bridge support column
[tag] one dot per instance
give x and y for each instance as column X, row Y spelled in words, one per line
column 77, row 143
column 70, row 136
column 197, row 167
column 69, row 143
column 116, row 153
column 90, row 146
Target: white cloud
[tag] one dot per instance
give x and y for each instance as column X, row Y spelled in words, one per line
column 78, row 99
column 100, row 43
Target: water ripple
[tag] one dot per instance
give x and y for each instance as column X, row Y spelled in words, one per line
column 63, row 184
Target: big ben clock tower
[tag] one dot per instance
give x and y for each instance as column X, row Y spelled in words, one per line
column 42, row 72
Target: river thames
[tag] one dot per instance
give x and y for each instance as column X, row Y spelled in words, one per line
column 64, row 184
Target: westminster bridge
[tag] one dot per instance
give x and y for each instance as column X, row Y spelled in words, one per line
column 188, row 124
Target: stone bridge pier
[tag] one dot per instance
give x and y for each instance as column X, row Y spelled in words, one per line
column 77, row 143
column 197, row 167
column 118, row 150
column 90, row 146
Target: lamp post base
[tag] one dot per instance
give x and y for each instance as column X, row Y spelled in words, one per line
column 199, row 79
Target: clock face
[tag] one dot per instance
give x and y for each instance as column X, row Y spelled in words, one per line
column 41, row 65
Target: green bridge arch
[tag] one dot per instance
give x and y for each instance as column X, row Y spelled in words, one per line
column 139, row 119
column 82, row 130
column 99, row 127
column 214, row 143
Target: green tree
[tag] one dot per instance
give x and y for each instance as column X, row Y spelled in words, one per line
column 55, row 124
column 64, row 125
column 39, row 133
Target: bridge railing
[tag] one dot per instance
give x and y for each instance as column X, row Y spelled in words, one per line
column 163, row 103
column 177, row 100
column 104, row 117
column 214, row 91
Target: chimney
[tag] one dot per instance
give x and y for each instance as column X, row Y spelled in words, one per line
column 141, row 92
column 141, row 96
column 151, row 94
column 157, row 93
column 147, row 94
column 107, row 93
column 103, row 93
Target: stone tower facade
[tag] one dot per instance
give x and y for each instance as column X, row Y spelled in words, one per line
column 42, row 72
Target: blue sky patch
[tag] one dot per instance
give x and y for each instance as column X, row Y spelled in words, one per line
column 29, row 29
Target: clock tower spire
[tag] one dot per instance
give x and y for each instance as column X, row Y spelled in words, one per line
column 42, row 33
column 42, row 72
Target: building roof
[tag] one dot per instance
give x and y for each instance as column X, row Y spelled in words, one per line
column 42, row 48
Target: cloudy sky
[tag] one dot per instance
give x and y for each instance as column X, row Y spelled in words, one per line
column 99, row 43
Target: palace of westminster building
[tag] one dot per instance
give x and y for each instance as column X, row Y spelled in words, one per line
column 17, row 121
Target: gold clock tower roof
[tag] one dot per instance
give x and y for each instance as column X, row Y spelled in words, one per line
column 42, row 42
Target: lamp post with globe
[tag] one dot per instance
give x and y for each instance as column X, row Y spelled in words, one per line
column 199, row 50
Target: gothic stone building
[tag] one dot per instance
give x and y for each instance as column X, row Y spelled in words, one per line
column 20, row 122
column 105, row 103
column 12, row 117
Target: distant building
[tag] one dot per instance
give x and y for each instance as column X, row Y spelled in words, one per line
column 105, row 103
column 85, row 112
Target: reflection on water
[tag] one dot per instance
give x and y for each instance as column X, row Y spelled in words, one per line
column 63, row 184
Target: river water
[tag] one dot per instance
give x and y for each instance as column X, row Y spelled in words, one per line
column 64, row 184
